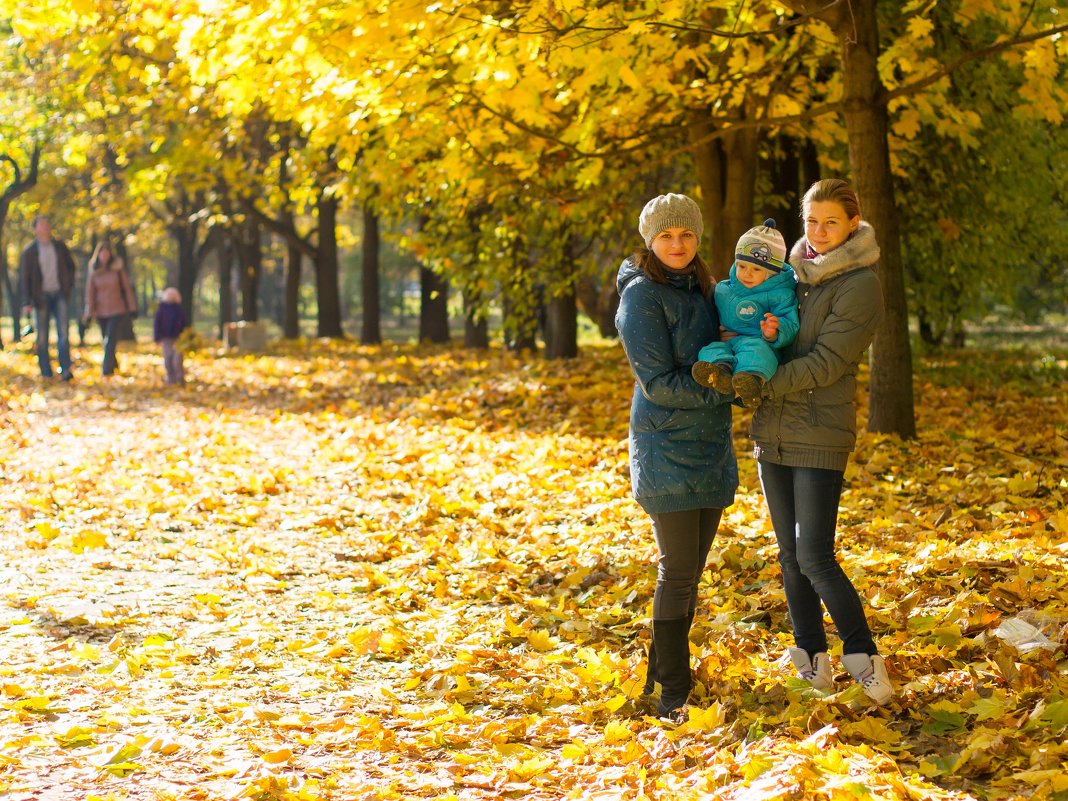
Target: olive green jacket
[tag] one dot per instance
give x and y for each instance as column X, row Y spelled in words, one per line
column 808, row 417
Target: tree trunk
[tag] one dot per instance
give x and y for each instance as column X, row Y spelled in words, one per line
column 597, row 299
column 711, row 182
column 810, row 167
column 250, row 256
column 371, row 326
column 726, row 175
column 433, row 307
column 185, row 234
column 327, row 286
column 865, row 103
column 740, row 147
column 520, row 325
column 225, row 261
column 291, row 311
column 18, row 186
column 786, row 184
column 124, row 330
column 272, row 287
column 561, row 326
column 6, row 290
column 476, row 326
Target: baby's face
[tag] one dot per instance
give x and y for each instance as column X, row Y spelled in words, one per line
column 749, row 274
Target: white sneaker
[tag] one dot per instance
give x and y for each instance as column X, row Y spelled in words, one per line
column 816, row 671
column 870, row 672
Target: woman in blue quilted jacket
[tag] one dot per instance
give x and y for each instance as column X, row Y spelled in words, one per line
column 682, row 464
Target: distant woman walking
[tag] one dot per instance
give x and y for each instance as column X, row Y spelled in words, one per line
column 682, row 465
column 109, row 298
column 807, row 426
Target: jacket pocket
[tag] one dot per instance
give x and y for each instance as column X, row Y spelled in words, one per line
column 659, row 418
column 652, row 418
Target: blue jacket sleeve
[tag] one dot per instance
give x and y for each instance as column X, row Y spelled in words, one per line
column 646, row 337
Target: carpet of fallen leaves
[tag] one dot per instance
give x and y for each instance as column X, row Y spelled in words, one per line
column 336, row 572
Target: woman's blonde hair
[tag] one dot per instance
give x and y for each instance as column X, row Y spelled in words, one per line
column 833, row 190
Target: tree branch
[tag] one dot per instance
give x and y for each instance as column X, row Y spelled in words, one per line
column 974, row 55
column 718, row 33
column 284, row 228
column 19, row 185
column 730, row 123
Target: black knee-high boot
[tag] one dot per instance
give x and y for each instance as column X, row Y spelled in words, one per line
column 672, row 642
column 650, row 673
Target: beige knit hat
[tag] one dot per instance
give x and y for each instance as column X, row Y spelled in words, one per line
column 762, row 246
column 670, row 211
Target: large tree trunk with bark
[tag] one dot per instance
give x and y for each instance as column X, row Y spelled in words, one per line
column 250, row 253
column 864, row 99
column 711, row 182
column 291, row 308
column 740, row 147
column 433, row 307
column 124, row 330
column 520, row 322
column 225, row 265
column 561, row 326
column 371, row 325
column 597, row 299
column 786, row 184
column 185, row 235
column 476, row 326
column 327, row 285
column 561, row 308
column 7, row 290
column 18, row 186
column 726, row 175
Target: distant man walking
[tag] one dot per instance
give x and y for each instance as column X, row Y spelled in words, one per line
column 46, row 273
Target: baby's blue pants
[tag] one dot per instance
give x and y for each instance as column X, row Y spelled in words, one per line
column 743, row 355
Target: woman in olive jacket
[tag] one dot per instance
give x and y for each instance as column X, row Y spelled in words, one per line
column 682, row 463
column 807, row 426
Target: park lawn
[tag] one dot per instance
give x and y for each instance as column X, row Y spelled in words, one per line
column 338, row 572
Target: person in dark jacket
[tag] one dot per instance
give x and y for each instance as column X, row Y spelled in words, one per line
column 682, row 464
column 110, row 299
column 806, row 427
column 46, row 276
column 166, row 328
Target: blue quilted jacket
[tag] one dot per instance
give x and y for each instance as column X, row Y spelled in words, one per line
column 681, row 452
column 741, row 309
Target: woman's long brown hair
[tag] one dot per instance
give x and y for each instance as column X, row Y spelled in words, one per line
column 657, row 272
column 94, row 261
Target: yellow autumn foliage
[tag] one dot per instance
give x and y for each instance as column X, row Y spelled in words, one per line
column 336, row 572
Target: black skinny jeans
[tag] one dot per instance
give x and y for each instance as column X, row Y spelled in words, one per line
column 803, row 503
column 684, row 540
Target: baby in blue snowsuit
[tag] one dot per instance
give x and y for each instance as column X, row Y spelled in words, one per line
column 758, row 303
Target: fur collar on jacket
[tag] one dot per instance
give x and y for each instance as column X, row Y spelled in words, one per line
column 860, row 250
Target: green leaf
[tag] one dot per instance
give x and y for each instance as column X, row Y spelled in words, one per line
column 988, row 708
column 944, row 721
